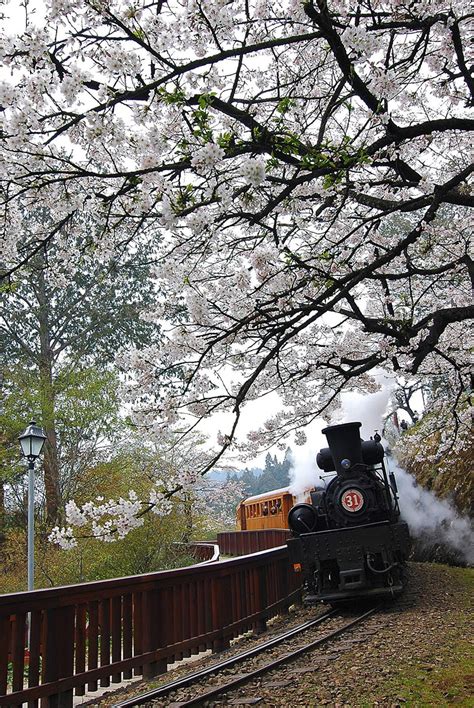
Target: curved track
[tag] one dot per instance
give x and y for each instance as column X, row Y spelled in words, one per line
column 164, row 691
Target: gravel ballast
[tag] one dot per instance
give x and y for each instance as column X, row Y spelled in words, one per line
column 416, row 652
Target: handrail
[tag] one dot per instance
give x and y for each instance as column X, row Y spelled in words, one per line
column 237, row 543
column 203, row 549
column 122, row 584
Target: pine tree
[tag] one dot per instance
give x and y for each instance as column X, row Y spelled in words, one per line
column 55, row 328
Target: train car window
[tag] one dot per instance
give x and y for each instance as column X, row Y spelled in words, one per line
column 265, row 509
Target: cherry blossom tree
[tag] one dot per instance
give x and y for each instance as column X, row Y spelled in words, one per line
column 172, row 473
column 307, row 165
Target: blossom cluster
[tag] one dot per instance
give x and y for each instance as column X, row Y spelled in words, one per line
column 253, row 171
column 207, row 157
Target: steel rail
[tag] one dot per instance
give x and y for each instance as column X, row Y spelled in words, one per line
column 162, row 691
column 234, row 683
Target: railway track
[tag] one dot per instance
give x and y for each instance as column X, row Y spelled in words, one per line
column 178, row 691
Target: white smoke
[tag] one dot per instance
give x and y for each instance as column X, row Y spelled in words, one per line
column 433, row 520
column 304, row 473
column 368, row 408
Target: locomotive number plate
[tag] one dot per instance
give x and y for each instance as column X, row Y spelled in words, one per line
column 352, row 500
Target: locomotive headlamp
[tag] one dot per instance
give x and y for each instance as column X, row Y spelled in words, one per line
column 346, row 464
column 303, row 518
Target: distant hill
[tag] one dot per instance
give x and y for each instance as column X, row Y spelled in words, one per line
column 275, row 475
column 223, row 475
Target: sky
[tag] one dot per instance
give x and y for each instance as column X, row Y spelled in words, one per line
column 369, row 409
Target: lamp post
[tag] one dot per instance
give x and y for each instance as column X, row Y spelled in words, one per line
column 31, row 442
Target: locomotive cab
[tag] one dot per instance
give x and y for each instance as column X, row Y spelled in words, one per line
column 349, row 540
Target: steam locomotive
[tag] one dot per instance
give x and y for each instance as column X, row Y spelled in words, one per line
column 349, row 542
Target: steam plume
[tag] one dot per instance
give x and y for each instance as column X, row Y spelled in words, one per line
column 433, row 520
column 304, row 473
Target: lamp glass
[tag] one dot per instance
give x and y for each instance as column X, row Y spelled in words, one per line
column 32, row 440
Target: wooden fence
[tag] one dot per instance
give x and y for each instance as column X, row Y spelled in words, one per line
column 204, row 552
column 97, row 634
column 238, row 543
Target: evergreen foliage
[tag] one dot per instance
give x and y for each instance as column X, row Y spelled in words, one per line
column 275, row 475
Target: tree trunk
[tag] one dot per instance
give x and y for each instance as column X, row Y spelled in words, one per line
column 188, row 518
column 3, row 522
column 411, row 413
column 48, row 412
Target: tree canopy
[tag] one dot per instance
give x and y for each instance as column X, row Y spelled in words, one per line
column 60, row 323
column 305, row 164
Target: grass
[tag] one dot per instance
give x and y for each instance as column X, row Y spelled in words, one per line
column 448, row 684
column 449, row 679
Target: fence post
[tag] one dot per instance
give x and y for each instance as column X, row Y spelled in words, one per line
column 59, row 652
column 152, row 630
column 220, row 609
column 283, row 572
column 261, row 598
column 104, row 622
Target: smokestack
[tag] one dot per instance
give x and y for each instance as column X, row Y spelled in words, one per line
column 345, row 444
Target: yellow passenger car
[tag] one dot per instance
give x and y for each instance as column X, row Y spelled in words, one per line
column 267, row 511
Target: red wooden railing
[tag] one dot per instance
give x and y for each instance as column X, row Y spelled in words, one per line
column 100, row 633
column 237, row 543
column 203, row 551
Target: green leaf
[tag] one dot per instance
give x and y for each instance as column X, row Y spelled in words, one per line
column 284, row 105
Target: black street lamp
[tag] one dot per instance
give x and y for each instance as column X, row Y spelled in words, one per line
column 31, row 442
